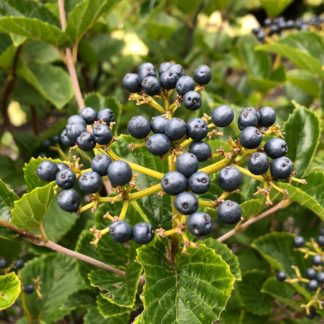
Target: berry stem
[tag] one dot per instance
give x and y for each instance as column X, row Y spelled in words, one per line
column 207, row 203
column 145, row 192
column 215, row 166
column 124, row 209
column 25, row 308
column 87, row 207
column 186, row 143
column 143, row 99
column 248, row 173
column 140, row 211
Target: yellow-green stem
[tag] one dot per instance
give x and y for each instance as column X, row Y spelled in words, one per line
column 145, row 192
column 140, row 211
column 248, row 173
column 25, row 308
column 206, row 203
column 124, row 209
column 215, row 166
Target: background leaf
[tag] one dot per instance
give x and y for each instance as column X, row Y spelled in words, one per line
column 10, row 288
column 274, row 7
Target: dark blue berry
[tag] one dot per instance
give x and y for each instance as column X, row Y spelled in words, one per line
column 138, row 127
column 176, row 128
column 76, row 119
column 143, row 233
column 202, row 150
column 186, row 203
column 312, row 313
column 65, row 179
column 89, row 115
column 131, row 82
column 199, row 182
column 69, row 200
column 317, row 260
column 250, row 137
column 230, row 178
column 47, row 170
column 174, row 182
column 120, row 231
column 65, row 140
column 197, row 129
column 163, row 67
column 151, row 86
column 86, row 141
column 29, row 289
column 229, row 212
column 192, row 100
column 320, row 277
column 102, row 134
column 222, row 116
column 185, row 84
column 147, row 66
column 187, row 164
column 258, row 163
column 106, row 115
column 299, row 241
column 90, row 182
column 281, row 168
column 177, row 69
column 276, row 147
column 100, row 164
column 146, row 72
column 158, row 124
column 267, row 116
column 73, row 131
column 248, row 117
column 18, row 264
column 119, row 173
column 62, row 166
column 158, row 144
column 313, row 285
column 3, row 263
column 169, row 79
column 200, row 224
column 320, row 240
column 202, row 74
column 281, row 276
column 311, row 273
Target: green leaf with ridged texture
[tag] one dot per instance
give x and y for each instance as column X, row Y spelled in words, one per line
column 250, row 293
column 10, row 245
column 303, row 129
column 10, row 288
column 7, row 198
column 28, row 212
column 251, row 207
column 185, row 288
column 111, row 311
column 52, row 82
column 227, row 254
column 281, row 291
column 81, row 298
column 93, row 316
column 84, row 15
column 275, row 7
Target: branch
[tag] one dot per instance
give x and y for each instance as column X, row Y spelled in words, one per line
column 281, row 205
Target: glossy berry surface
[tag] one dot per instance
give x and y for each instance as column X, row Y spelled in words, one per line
column 299, row 241
column 143, row 233
column 47, row 170
column 158, row 144
column 199, row 182
column 177, row 69
column 65, row 179
column 90, row 182
column 120, row 231
column 73, row 131
column 174, row 182
column 192, row 100
column 158, row 124
column 320, row 240
column 202, row 150
column 151, row 85
column 200, row 224
column 281, row 168
column 119, row 173
column 138, row 127
column 197, row 129
column 320, row 277
column 230, row 178
column 222, row 116
column 317, row 260
column 89, row 115
column 186, row 203
column 169, row 79
column 102, row 134
column 76, row 119
column 248, row 117
column 185, row 84
column 313, row 285
column 100, row 164
column 310, row 273
column 229, row 212
column 163, row 67
column 131, row 82
column 250, row 137
column 69, row 200
column 62, row 166
column 65, row 140
column 187, row 164
column 146, row 72
column 281, row 276
column 267, row 117
column 258, row 163
column 276, row 147
column 202, row 74
column 86, row 141
column 18, row 264
column 106, row 115
column 3, row 263
column 176, row 128
column 29, row 289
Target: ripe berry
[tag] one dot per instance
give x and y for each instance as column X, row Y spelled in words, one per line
column 62, row 166
column 73, row 131
column 65, row 179
column 267, row 117
column 320, row 277
column 199, row 182
column 120, row 231
column 312, row 313
column 317, row 260
column 131, row 82
column 185, row 84
column 65, row 140
column 151, row 85
column 18, row 264
column 29, row 289
column 258, row 163
column 169, row 79
column 90, row 182
column 230, row 178
column 146, row 65
column 320, row 240
column 138, row 127
column 163, row 67
column 177, row 69
column 143, row 233
column 187, row 164
column 119, row 173
column 299, row 241
column 313, row 285
column 229, row 212
column 100, row 164
column 192, row 100
column 202, row 74
column 175, row 129
column 89, row 115
column 158, row 124
column 69, row 200
column 146, row 72
column 248, row 117
column 106, row 115
column 200, row 224
column 102, row 134
column 174, row 182
column 76, row 119
column 158, row 144
column 250, row 137
column 47, row 170
column 86, row 141
column 186, row 203
column 197, row 129
column 222, row 116
column 276, row 147
column 281, row 168
column 311, row 273
column 202, row 150
column 3, row 263
column 281, row 276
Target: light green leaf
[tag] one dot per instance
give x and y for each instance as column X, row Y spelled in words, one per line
column 28, row 212
column 10, row 288
column 303, row 130
column 7, row 198
column 304, row 80
column 275, row 7
column 189, row 288
column 251, row 207
column 113, row 312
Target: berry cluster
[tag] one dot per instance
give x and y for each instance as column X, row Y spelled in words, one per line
column 278, row 25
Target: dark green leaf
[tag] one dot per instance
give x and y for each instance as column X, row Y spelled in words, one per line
column 112, row 311
column 10, row 287
column 7, row 198
column 93, row 316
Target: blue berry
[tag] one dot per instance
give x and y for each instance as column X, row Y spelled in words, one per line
column 185, row 84
column 258, row 163
column 229, row 212
column 120, row 231
column 250, row 137
column 18, row 264
column 47, row 170
column 119, row 173
column 299, row 241
column 3, row 263
column 320, row 277
column 186, row 203
column 276, row 147
column 313, row 285
column 102, row 134
column 100, row 164
column 175, row 129
column 177, row 69
column 248, row 117
column 65, row 179
column 230, row 178
column 151, row 86
column 281, row 168
column 86, row 141
column 131, row 82
column 174, row 182
column 89, row 115
column 76, row 119
column 200, row 224
column 147, row 66
column 169, row 79
column 65, row 140
column 146, row 72
column 320, row 240
column 202, row 150
column 69, row 200
column 281, row 276
column 222, row 116
column 138, row 127
column 199, row 182
column 158, row 124
column 187, row 164
column 73, row 131
column 106, row 115
column 90, row 182
column 197, row 129
column 158, row 144
column 62, row 166
column 192, row 100
column 29, row 289
column 267, row 117
column 317, row 260
column 311, row 273
column 202, row 74
column 163, row 67
column 143, row 233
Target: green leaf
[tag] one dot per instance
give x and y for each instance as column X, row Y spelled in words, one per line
column 251, row 296
column 10, row 288
column 28, row 212
column 227, row 255
column 81, row 298
column 251, row 207
column 10, row 245
column 84, row 15
column 304, row 80
column 93, row 316
column 59, row 279
column 303, row 133
column 186, row 288
column 52, row 82
column 7, row 198
column 112, row 311
column 275, row 7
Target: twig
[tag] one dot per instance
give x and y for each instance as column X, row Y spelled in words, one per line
column 282, row 204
